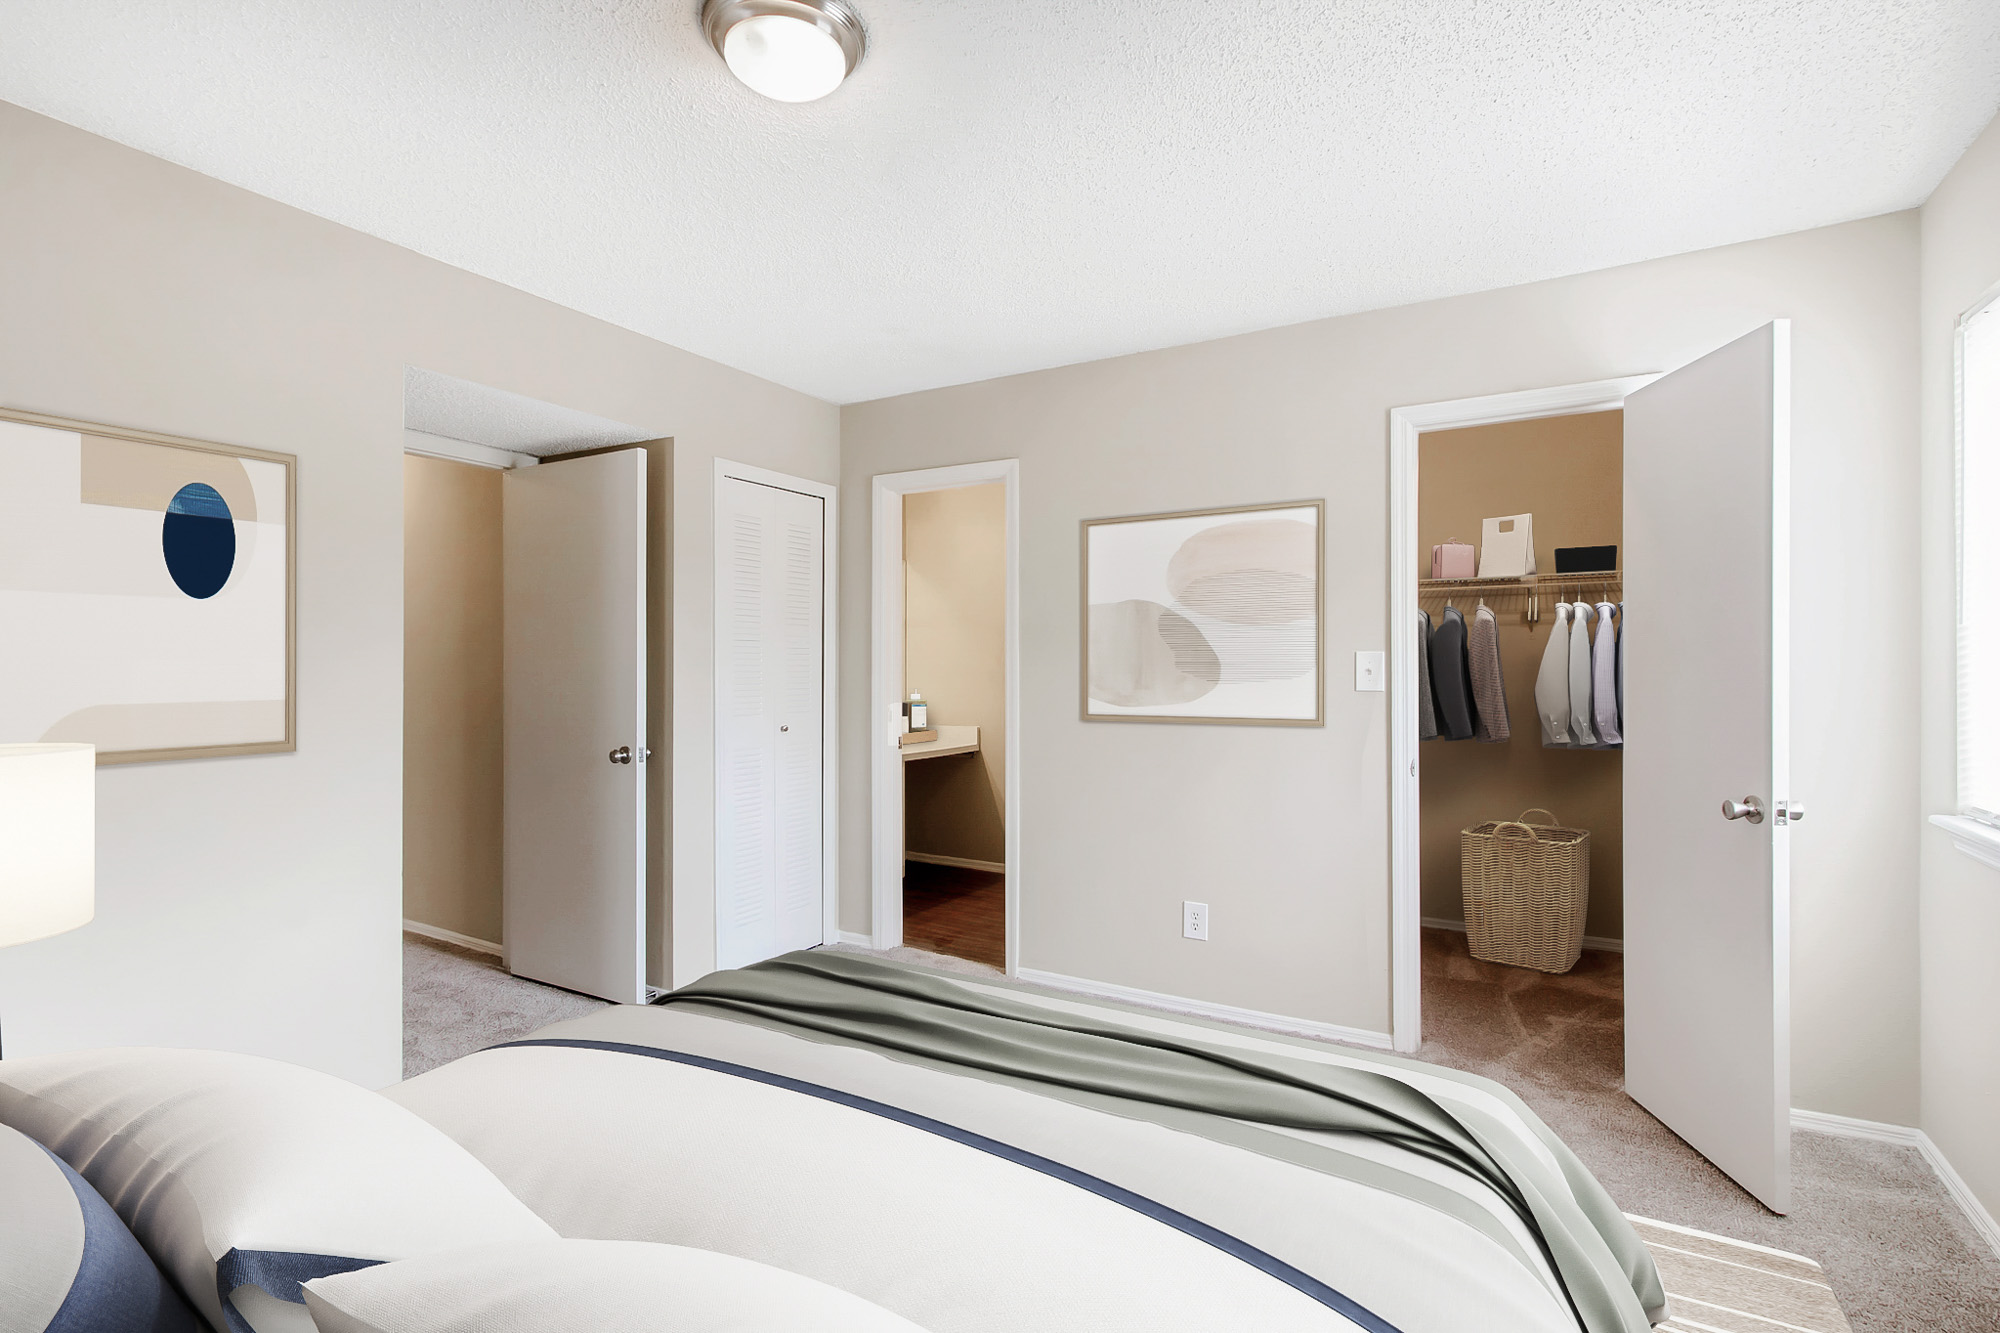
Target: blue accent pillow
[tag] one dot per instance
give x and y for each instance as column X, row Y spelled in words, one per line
column 67, row 1263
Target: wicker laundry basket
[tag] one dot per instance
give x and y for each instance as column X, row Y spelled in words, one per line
column 1526, row 888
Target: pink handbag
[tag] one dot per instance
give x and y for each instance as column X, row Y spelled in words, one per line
column 1452, row 560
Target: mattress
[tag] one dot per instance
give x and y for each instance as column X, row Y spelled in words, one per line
column 983, row 1156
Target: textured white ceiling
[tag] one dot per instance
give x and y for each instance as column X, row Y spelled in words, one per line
column 461, row 410
column 1010, row 185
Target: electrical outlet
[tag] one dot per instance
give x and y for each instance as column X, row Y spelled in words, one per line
column 1194, row 920
column 1369, row 672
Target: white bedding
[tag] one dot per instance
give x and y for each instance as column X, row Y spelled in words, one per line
column 613, row 1145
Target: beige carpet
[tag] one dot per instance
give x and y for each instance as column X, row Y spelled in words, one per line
column 1895, row 1249
column 456, row 1001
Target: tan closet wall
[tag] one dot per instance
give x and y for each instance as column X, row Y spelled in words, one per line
column 954, row 654
column 1569, row 473
column 451, row 696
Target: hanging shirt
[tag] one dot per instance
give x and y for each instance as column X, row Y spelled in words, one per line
column 1604, row 677
column 1581, row 733
column 1621, row 673
column 1489, row 688
column 1552, row 682
column 1427, row 717
column 1451, row 678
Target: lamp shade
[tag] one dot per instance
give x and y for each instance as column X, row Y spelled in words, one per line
column 48, row 840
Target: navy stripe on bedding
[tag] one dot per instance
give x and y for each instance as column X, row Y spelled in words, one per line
column 279, row 1272
column 117, row 1287
column 1301, row 1281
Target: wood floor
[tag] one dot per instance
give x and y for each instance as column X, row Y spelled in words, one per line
column 951, row 910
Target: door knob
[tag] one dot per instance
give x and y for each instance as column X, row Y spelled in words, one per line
column 1749, row 808
column 622, row 755
column 784, row 728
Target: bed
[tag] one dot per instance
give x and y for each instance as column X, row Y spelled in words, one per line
column 979, row 1156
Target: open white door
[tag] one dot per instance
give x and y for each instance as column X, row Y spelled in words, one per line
column 1707, row 721
column 770, row 673
column 574, row 542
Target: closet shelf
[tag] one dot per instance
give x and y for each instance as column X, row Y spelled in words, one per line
column 1610, row 578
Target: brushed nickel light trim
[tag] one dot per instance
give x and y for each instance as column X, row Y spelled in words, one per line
column 836, row 18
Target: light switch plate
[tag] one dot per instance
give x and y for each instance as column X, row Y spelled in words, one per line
column 1370, row 671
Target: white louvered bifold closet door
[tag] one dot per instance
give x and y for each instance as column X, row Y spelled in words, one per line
column 770, row 602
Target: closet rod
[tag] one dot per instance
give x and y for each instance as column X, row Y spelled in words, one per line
column 1609, row 585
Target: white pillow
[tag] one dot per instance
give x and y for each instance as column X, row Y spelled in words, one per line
column 632, row 1286
column 245, row 1177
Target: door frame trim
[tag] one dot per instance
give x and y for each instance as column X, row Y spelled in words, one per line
column 829, row 642
column 1406, row 424
column 885, row 764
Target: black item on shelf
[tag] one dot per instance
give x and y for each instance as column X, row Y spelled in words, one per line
column 1586, row 559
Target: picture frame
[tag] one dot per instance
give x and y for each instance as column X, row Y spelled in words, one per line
column 153, row 638
column 1205, row 616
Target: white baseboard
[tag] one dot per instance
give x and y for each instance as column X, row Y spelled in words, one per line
column 1848, row 1127
column 1589, row 941
column 451, row 937
column 864, row 941
column 962, row 862
column 1227, row 1013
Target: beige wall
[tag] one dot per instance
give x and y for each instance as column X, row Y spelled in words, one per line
column 1961, row 898
column 955, row 655
column 1285, row 831
column 1569, row 472
column 140, row 293
column 451, row 696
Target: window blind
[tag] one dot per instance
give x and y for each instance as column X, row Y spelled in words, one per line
column 1979, row 565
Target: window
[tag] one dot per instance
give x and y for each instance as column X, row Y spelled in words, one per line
column 1979, row 563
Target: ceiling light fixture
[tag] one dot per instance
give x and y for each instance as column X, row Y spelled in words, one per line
column 788, row 50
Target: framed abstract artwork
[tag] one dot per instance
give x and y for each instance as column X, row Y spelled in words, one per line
column 147, row 592
column 1207, row 616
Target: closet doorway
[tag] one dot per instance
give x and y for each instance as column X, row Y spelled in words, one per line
column 1568, row 473
column 1501, row 648
column 1698, row 691
column 945, row 763
column 526, row 809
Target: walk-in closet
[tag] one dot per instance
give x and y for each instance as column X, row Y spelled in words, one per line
column 1520, row 598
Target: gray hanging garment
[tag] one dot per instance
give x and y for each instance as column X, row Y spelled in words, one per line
column 1451, row 678
column 1427, row 717
column 1489, row 688
column 1552, row 683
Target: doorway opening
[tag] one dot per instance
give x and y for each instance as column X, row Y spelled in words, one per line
column 1517, row 619
column 1410, row 568
column 525, row 559
column 945, row 764
column 954, row 752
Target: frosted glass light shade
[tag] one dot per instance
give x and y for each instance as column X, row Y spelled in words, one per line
column 788, row 50
column 48, row 840
column 786, row 59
